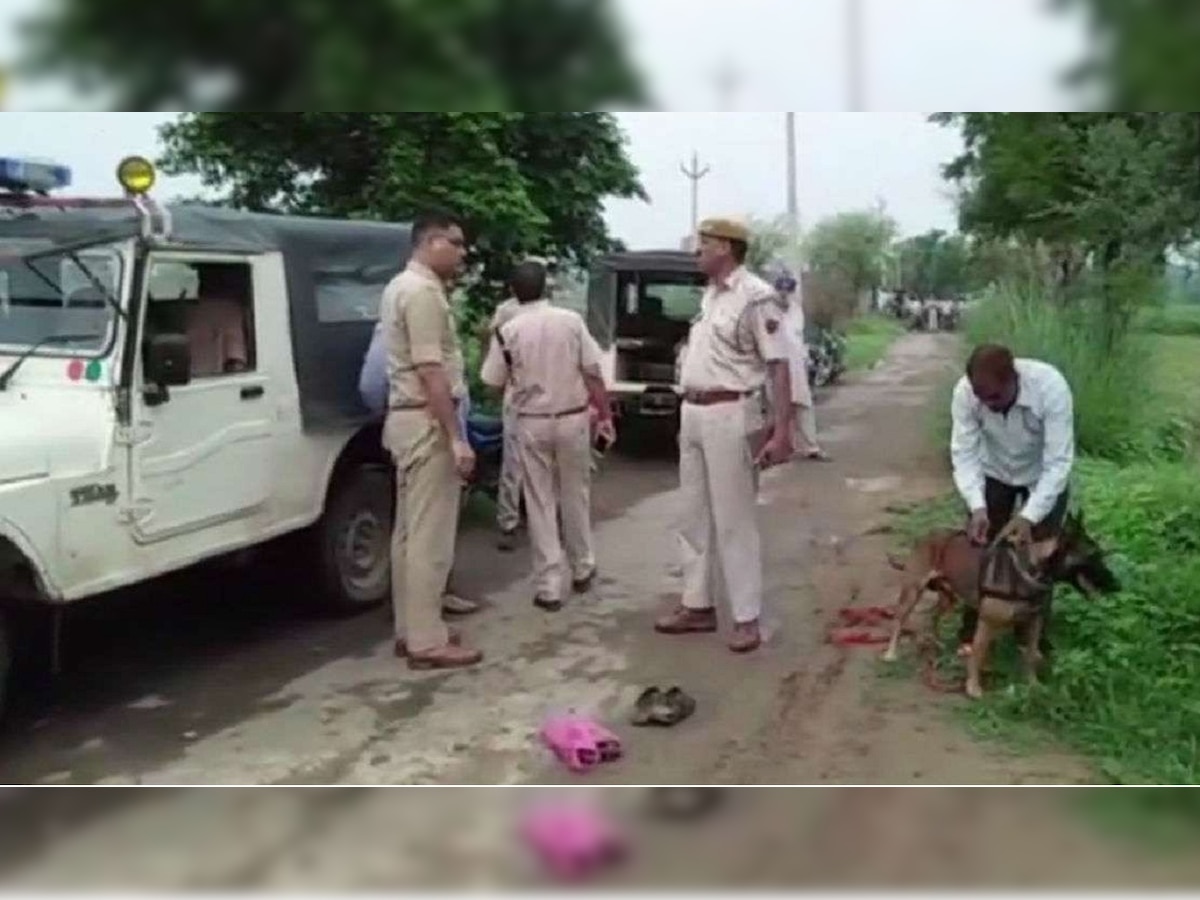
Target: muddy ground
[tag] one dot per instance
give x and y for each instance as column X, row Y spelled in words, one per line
column 223, row 684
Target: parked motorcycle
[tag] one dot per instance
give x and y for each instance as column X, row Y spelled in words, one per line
column 485, row 434
column 826, row 356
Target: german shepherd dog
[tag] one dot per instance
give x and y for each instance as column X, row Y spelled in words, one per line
column 1008, row 585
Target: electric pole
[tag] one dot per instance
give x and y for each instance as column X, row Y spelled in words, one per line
column 793, row 202
column 694, row 173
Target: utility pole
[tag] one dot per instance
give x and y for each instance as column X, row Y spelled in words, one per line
column 854, row 55
column 694, row 173
column 793, row 202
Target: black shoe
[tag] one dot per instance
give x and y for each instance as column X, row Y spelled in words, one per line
column 547, row 605
column 507, row 542
column 584, row 584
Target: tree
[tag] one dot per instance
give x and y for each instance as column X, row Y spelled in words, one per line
column 308, row 55
column 771, row 241
column 935, row 264
column 523, row 182
column 852, row 247
column 1118, row 188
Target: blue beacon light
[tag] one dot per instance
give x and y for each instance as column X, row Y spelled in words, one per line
column 38, row 176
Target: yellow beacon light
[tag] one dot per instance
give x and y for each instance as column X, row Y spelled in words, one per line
column 136, row 174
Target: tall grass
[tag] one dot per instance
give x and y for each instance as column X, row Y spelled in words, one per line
column 1115, row 380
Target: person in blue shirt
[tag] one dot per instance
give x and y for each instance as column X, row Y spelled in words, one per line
column 373, row 389
column 373, row 381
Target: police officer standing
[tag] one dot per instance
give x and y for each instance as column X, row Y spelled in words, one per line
column 735, row 347
column 551, row 369
column 508, row 494
column 425, row 438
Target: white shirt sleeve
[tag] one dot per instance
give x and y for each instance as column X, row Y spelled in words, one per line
column 966, row 447
column 1058, row 450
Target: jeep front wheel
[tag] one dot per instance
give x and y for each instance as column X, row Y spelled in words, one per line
column 354, row 542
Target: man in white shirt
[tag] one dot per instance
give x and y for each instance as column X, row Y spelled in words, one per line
column 1012, row 447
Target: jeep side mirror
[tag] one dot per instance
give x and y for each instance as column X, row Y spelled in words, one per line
column 166, row 361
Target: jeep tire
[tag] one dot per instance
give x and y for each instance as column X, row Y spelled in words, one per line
column 353, row 542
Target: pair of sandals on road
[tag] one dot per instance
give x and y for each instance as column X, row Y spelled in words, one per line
column 654, row 706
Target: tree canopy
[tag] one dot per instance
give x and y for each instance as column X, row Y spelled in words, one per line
column 935, row 264
column 523, row 182
column 852, row 246
column 1120, row 187
column 318, row 55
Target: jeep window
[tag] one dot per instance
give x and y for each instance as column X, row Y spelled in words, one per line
column 658, row 296
column 213, row 304
column 49, row 294
column 345, row 299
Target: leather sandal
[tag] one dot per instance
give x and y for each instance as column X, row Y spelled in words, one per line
column 682, row 620
column 455, row 640
column 663, row 708
column 746, row 637
column 450, row 656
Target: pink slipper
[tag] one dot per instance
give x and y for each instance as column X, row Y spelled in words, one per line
column 572, row 741
column 607, row 743
column 572, row 842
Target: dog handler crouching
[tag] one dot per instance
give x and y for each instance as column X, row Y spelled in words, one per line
column 1012, row 445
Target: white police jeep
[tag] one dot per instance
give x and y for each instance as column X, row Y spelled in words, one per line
column 178, row 384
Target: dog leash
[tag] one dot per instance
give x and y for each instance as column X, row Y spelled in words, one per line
column 856, row 630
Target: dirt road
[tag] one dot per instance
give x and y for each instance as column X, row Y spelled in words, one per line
column 254, row 695
column 219, row 683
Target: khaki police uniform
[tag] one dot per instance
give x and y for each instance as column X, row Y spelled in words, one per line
column 723, row 424
column 508, row 496
column 549, row 350
column 419, row 329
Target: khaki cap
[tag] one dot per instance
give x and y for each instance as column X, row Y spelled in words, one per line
column 726, row 229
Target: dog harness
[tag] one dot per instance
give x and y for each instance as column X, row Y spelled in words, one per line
column 1007, row 572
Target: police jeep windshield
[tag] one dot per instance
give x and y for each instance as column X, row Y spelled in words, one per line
column 48, row 290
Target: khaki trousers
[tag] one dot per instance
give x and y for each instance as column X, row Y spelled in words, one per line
column 508, row 496
column 806, row 426
column 556, row 457
column 719, row 536
column 428, row 491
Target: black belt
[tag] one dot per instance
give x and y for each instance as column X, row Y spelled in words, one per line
column 418, row 405
column 709, row 398
column 556, row 415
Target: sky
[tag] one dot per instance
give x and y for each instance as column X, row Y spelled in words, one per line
column 918, row 55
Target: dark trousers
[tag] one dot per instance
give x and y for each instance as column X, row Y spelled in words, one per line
column 1001, row 500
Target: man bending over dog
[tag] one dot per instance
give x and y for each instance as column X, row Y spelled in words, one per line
column 1013, row 443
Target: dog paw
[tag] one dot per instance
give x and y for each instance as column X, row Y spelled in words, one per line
column 974, row 691
column 890, row 655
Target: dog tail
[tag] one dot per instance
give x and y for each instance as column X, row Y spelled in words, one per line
column 896, row 562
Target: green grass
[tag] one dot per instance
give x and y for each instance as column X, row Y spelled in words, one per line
column 868, row 339
column 1180, row 319
column 1125, row 686
column 1133, row 401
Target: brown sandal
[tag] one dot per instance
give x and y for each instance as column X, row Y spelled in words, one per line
column 682, row 620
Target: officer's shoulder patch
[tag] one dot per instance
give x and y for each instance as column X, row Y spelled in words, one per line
column 772, row 326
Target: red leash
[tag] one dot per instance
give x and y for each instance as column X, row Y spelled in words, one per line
column 862, row 626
